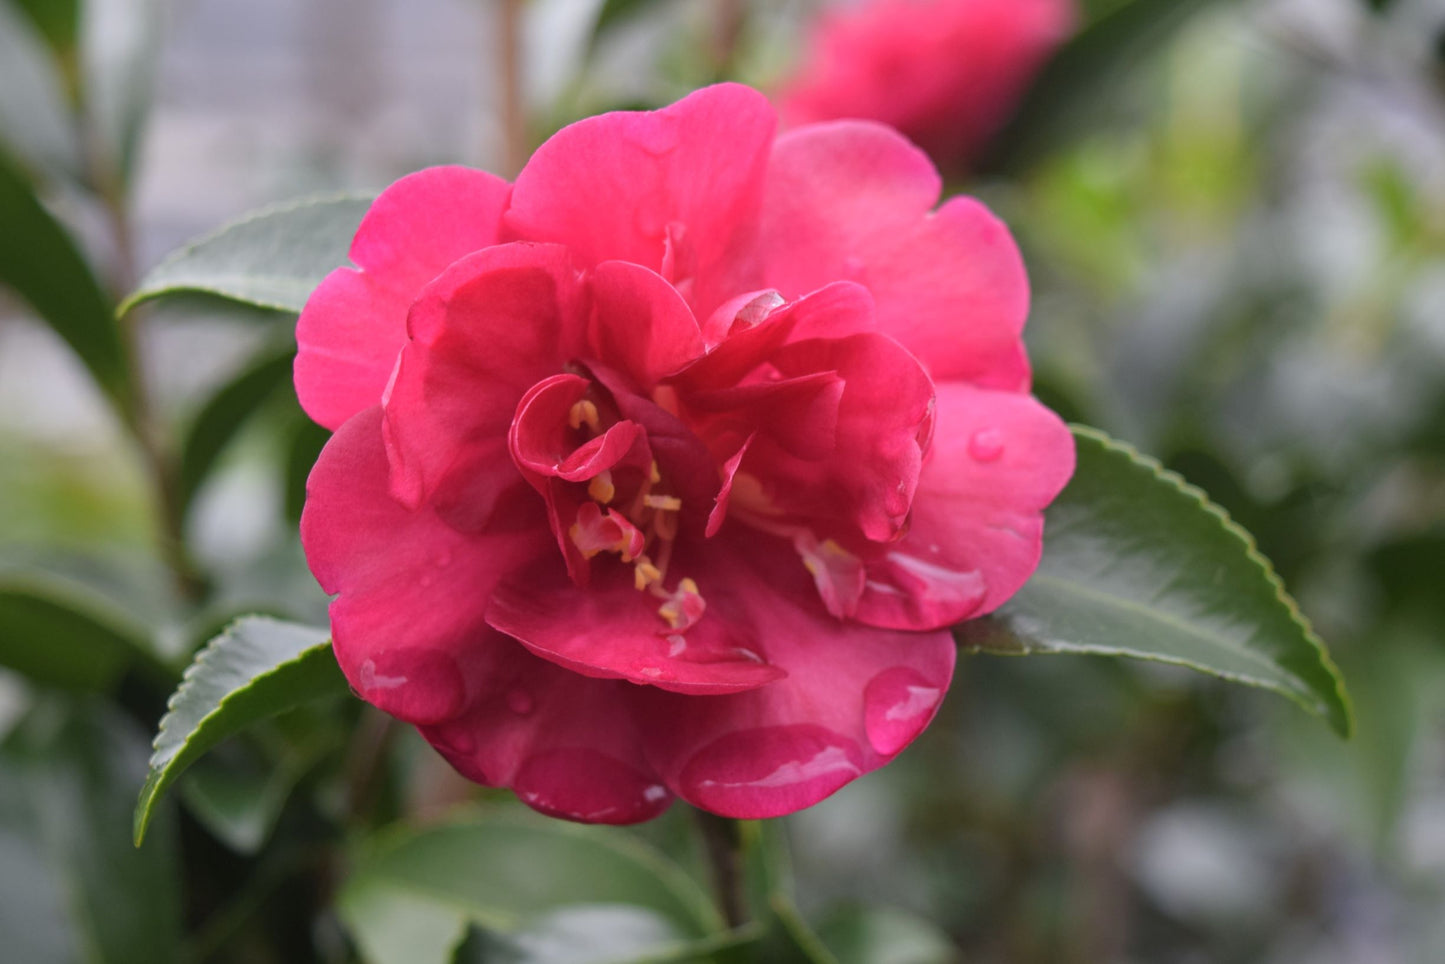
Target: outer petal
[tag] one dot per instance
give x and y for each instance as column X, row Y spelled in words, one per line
column 355, row 323
column 408, row 620
column 612, row 630
column 568, row 745
column 976, row 531
column 675, row 190
column 851, row 200
column 853, row 698
column 485, row 331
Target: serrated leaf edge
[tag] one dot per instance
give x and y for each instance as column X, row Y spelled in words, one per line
column 158, row 775
column 1346, row 723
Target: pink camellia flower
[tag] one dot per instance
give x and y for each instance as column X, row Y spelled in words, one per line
column 663, row 470
column 947, row 73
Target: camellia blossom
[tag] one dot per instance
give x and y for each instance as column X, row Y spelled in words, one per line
column 662, row 471
column 946, row 73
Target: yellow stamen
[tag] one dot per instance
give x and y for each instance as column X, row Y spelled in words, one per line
column 664, row 503
column 654, row 474
column 601, row 488
column 584, row 412
column 645, row 574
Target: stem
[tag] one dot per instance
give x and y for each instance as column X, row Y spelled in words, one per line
column 722, row 837
column 514, row 108
column 139, row 414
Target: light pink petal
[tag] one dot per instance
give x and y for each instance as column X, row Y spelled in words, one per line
column 411, row 590
column 640, row 325
column 975, row 535
column 850, row 200
column 354, row 324
column 676, row 190
column 566, row 744
column 483, row 333
column 612, row 630
column 853, row 698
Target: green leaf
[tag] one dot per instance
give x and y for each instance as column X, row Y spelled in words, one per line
column 1139, row 563
column 303, row 448
column 257, row 668
column 1067, row 95
column 218, row 421
column 54, row 635
column 35, row 120
column 71, row 887
column 272, row 258
column 57, row 20
column 595, row 934
column 415, row 893
column 120, row 48
column 40, row 261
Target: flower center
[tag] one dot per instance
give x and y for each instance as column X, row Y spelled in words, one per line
column 642, row 534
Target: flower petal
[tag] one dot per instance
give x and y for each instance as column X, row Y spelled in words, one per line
column 853, row 698
column 565, row 743
column 851, row 200
column 354, row 324
column 998, row 460
column 488, row 329
column 411, row 589
column 640, row 325
column 675, row 190
column 612, row 630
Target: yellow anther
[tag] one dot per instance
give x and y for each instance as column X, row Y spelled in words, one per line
column 688, row 586
column 654, row 474
column 663, row 503
column 584, row 412
column 645, row 574
column 601, row 488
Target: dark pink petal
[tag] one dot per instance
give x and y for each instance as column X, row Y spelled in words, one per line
column 641, row 326
column 850, row 200
column 354, row 324
column 544, row 443
column 567, row 744
column 884, row 422
column 975, row 536
column 799, row 414
column 488, row 329
column 676, row 190
column 612, row 630
column 854, row 696
column 411, row 590
column 728, row 471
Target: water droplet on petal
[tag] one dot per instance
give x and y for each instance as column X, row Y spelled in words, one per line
column 897, row 704
column 519, row 701
column 769, row 771
column 986, row 445
column 417, row 684
column 583, row 784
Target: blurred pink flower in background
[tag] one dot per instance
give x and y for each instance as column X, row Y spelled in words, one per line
column 664, row 470
column 946, row 73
